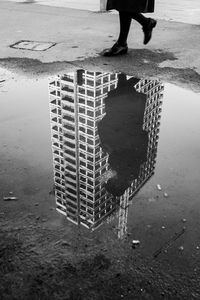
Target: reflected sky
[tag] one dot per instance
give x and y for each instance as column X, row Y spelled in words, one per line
column 104, row 129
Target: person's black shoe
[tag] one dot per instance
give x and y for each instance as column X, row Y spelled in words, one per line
column 116, row 49
column 148, row 30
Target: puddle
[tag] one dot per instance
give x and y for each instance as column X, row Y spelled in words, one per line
column 116, row 156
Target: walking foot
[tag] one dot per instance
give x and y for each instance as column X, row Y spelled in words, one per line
column 148, row 30
column 116, row 50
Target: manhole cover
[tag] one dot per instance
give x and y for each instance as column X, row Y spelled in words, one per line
column 32, row 45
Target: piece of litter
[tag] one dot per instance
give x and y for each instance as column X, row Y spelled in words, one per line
column 135, row 243
column 10, row 198
column 181, row 248
column 159, row 187
column 166, row 195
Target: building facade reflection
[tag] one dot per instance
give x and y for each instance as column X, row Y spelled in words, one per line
column 81, row 165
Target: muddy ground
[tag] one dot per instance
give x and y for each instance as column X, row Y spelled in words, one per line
column 39, row 261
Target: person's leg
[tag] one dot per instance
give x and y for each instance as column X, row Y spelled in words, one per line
column 125, row 23
column 147, row 24
column 140, row 18
column 120, row 47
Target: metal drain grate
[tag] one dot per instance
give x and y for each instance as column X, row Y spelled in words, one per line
column 32, row 45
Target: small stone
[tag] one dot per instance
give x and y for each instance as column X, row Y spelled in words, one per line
column 166, row 195
column 197, row 247
column 159, row 187
column 184, row 220
column 65, row 243
column 135, row 243
column 163, row 227
column 10, row 198
column 181, row 248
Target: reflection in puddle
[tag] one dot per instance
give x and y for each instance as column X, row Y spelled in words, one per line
column 105, row 130
column 104, row 138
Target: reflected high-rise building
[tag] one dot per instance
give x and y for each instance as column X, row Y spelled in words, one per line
column 77, row 105
column 81, row 166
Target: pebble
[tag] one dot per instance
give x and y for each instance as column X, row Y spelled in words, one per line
column 10, row 198
column 181, row 248
column 184, row 220
column 166, row 195
column 159, row 187
column 135, row 243
column 163, row 227
column 65, row 243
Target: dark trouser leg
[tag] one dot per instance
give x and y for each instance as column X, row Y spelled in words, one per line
column 125, row 23
column 140, row 18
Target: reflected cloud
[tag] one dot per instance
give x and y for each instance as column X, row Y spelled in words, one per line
column 104, row 140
